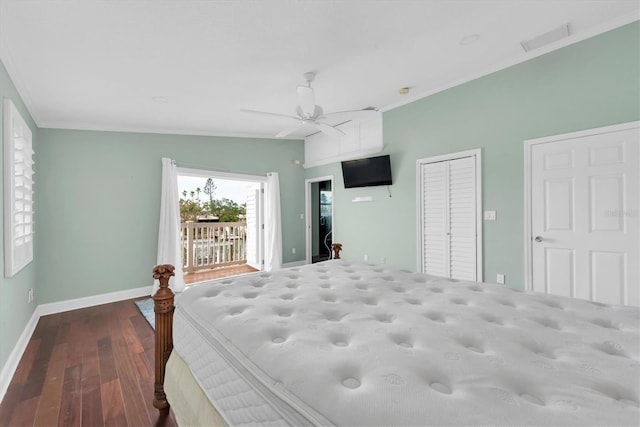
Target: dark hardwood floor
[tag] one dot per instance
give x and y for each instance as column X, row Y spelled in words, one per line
column 87, row 367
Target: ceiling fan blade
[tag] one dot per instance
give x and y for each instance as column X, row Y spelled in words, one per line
column 350, row 114
column 288, row 131
column 306, row 100
column 329, row 130
column 266, row 113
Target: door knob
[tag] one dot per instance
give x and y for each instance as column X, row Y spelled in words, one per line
column 538, row 239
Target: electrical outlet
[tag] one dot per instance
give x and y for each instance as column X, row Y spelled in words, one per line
column 500, row 279
column 366, row 257
column 293, row 250
column 31, row 295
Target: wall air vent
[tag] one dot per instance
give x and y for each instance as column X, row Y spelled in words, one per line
column 546, row 38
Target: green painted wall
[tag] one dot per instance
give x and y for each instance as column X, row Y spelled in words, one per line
column 15, row 311
column 99, row 198
column 586, row 85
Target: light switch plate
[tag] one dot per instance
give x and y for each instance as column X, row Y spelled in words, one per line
column 490, row 215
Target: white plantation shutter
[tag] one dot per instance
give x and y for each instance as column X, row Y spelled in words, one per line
column 448, row 209
column 18, row 191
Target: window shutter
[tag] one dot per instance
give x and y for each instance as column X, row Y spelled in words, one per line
column 18, row 191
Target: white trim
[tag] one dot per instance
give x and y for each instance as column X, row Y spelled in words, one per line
column 232, row 176
column 307, row 212
column 528, row 146
column 587, row 132
column 187, row 171
column 9, row 368
column 528, row 274
column 100, row 127
column 74, row 304
column 294, row 264
column 450, row 156
column 259, row 228
column 477, row 155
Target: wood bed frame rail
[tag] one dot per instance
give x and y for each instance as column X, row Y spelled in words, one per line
column 163, row 308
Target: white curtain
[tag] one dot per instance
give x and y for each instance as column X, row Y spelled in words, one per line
column 273, row 233
column 169, row 231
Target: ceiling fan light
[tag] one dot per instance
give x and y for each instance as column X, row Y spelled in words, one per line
column 309, row 76
column 308, row 113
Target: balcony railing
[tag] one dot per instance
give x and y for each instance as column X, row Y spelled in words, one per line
column 213, row 244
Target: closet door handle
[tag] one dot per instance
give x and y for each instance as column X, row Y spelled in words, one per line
column 538, row 239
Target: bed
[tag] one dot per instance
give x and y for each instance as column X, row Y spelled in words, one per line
column 351, row 344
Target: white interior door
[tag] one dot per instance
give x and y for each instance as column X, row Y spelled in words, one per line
column 255, row 227
column 584, row 231
column 449, row 212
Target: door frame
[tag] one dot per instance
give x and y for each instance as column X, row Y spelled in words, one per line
column 528, row 216
column 258, row 179
column 260, row 240
column 308, row 215
column 477, row 154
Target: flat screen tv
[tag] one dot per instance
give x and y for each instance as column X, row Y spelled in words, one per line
column 367, row 172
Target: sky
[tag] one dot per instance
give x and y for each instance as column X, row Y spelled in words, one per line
column 234, row 190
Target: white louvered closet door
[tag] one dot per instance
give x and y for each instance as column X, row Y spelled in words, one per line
column 449, row 212
column 435, row 223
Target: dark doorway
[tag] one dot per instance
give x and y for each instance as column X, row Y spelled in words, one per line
column 322, row 220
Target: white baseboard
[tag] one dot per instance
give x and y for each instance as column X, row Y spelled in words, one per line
column 9, row 368
column 293, row 264
column 74, row 304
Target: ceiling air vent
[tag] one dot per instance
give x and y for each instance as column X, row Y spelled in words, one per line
column 546, row 38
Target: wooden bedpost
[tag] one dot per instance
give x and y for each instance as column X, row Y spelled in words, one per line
column 163, row 307
column 336, row 247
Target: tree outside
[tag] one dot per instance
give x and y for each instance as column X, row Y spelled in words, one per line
column 226, row 210
column 210, row 188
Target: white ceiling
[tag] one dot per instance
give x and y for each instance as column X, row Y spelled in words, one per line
column 88, row 64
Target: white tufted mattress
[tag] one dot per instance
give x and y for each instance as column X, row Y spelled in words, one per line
column 339, row 343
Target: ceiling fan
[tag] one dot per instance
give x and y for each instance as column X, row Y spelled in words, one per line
column 309, row 113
